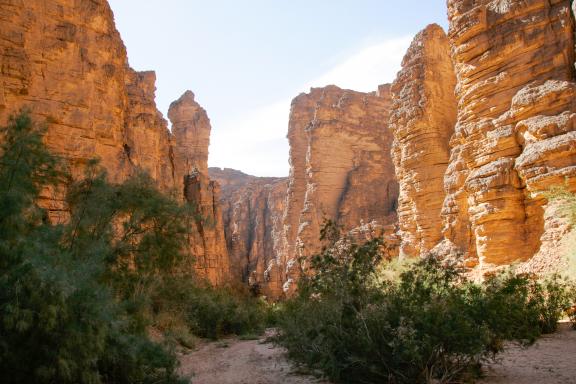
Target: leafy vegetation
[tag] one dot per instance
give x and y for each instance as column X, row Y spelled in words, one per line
column 428, row 325
column 210, row 312
column 77, row 298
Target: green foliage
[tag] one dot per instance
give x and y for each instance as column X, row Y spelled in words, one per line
column 77, row 299
column 428, row 325
column 61, row 320
column 211, row 312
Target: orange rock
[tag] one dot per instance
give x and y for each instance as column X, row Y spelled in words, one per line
column 252, row 211
column 191, row 130
column 340, row 167
column 66, row 63
column 515, row 136
column 422, row 120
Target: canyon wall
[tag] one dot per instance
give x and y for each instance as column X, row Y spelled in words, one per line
column 252, row 213
column 189, row 154
column 422, row 121
column 66, row 63
column 514, row 137
column 340, row 167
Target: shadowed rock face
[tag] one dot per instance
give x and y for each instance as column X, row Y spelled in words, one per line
column 340, row 167
column 514, row 137
column 66, row 63
column 422, row 121
column 252, row 213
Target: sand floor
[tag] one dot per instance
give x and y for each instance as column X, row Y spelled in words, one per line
column 234, row 361
column 552, row 360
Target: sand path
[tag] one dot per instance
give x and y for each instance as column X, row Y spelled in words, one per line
column 552, row 360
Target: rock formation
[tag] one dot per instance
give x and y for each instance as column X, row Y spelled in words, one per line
column 66, row 63
column 252, row 213
column 515, row 135
column 422, row 121
column 340, row 166
column 191, row 138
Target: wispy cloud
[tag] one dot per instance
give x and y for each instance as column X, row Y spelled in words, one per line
column 374, row 65
column 255, row 141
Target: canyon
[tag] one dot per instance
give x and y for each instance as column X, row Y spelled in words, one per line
column 455, row 157
column 66, row 64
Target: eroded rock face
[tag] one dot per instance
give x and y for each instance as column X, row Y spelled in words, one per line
column 66, row 63
column 340, row 167
column 191, row 130
column 252, row 213
column 515, row 136
column 422, row 121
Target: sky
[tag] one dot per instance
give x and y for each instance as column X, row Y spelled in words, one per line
column 245, row 60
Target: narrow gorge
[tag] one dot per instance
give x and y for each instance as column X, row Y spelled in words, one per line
column 454, row 157
column 423, row 231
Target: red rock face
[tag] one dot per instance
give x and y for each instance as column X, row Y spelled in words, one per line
column 422, row 121
column 515, row 136
column 66, row 63
column 341, row 167
column 252, row 212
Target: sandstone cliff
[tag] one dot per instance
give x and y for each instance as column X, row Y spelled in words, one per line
column 66, row 63
column 252, row 213
column 422, row 120
column 189, row 153
column 515, row 136
column 340, row 167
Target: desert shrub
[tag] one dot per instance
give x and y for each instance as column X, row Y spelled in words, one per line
column 430, row 324
column 211, row 312
column 63, row 316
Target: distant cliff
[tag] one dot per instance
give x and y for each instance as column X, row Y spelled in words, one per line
column 252, row 214
column 66, row 63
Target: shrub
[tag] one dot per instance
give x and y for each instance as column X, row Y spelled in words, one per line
column 62, row 320
column 211, row 312
column 428, row 325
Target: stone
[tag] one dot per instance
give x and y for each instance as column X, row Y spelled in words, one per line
column 66, row 63
column 514, row 136
column 191, row 130
column 252, row 213
column 340, row 168
column 422, row 120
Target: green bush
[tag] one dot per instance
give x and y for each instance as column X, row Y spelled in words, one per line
column 428, row 325
column 65, row 316
column 211, row 312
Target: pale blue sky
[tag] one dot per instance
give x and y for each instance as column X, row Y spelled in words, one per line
column 245, row 60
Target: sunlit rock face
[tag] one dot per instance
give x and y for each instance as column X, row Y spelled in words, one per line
column 191, row 138
column 340, row 167
column 66, row 63
column 514, row 137
column 252, row 210
column 422, row 121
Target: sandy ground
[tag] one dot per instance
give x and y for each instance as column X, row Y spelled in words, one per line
column 552, row 360
column 241, row 362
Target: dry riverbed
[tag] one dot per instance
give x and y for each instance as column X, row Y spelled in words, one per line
column 552, row 360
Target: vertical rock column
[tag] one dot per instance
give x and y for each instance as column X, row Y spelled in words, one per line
column 422, row 121
column 191, row 138
column 341, row 167
column 514, row 138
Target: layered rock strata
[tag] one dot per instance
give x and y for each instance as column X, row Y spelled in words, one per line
column 340, row 167
column 189, row 154
column 66, row 63
column 252, row 214
column 515, row 136
column 422, row 121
